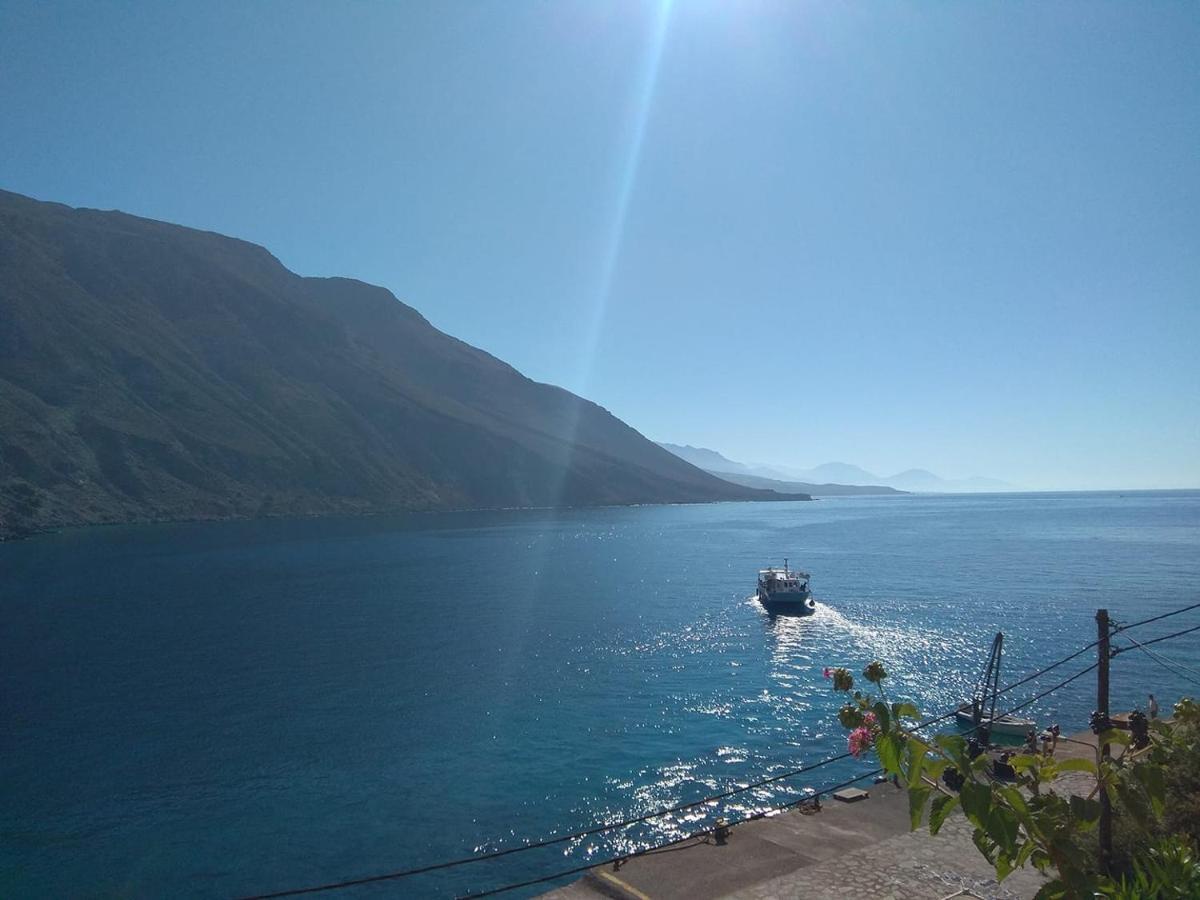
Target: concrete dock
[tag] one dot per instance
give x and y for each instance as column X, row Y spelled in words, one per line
column 862, row 849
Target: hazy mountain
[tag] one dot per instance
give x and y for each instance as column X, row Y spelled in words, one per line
column 821, row 479
column 752, row 475
column 917, row 480
column 843, row 473
column 816, row 490
column 150, row 371
column 712, row 461
column 709, row 460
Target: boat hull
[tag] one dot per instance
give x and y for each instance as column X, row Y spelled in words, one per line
column 1004, row 725
column 791, row 603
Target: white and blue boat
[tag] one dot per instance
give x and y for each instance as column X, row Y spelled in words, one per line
column 785, row 591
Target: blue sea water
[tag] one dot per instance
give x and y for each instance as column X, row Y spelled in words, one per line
column 214, row 710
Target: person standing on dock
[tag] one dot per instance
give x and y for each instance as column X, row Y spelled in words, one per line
column 1153, row 707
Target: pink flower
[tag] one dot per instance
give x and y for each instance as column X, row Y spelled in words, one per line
column 828, row 672
column 860, row 740
column 869, row 718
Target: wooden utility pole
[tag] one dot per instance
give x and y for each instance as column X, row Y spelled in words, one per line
column 1102, row 632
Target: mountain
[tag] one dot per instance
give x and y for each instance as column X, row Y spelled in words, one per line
column 709, row 460
column 918, row 480
column 151, row 372
column 823, row 479
column 843, row 473
column 775, row 480
column 816, row 490
column 915, row 480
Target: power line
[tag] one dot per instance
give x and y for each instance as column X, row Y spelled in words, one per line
column 1166, row 637
column 1165, row 615
column 1177, row 668
column 1034, row 699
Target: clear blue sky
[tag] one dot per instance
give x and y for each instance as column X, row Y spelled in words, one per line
column 961, row 236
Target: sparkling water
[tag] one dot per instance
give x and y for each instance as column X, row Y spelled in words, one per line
column 219, row 709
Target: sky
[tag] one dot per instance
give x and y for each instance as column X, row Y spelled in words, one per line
column 957, row 236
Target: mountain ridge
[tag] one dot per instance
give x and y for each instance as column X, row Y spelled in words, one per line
column 150, row 371
column 753, row 476
column 836, row 473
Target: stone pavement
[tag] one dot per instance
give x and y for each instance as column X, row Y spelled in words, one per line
column 860, row 850
column 847, row 850
column 910, row 866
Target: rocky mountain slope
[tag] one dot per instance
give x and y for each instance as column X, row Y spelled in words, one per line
column 150, row 371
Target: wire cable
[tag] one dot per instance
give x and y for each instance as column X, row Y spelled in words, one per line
column 1165, row 637
column 1165, row 615
column 1188, row 674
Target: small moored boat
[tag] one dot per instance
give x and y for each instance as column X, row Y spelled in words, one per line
column 979, row 716
column 785, row 591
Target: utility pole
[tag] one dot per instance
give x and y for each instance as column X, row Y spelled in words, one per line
column 1103, row 723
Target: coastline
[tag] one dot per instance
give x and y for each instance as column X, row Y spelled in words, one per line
column 13, row 535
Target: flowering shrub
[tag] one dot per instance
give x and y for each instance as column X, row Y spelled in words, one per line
column 1022, row 823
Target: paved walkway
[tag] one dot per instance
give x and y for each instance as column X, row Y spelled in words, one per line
column 862, row 849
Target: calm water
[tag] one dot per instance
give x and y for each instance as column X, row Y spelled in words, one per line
column 217, row 709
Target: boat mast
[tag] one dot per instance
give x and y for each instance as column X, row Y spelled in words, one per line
column 990, row 687
column 997, row 649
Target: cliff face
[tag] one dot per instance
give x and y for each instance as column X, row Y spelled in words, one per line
column 150, row 371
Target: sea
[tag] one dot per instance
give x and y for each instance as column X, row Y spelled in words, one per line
column 231, row 709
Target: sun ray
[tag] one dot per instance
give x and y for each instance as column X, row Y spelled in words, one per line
column 593, row 321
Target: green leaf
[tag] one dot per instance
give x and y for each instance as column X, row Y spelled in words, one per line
column 934, row 768
column 951, row 743
column 1013, row 797
column 1004, row 867
column 1026, row 851
column 985, row 845
column 1151, row 778
column 888, row 748
column 1114, row 736
column 1024, row 762
column 1002, row 827
column 917, row 797
column 905, row 711
column 976, row 801
column 882, row 716
column 941, row 807
column 1076, row 765
column 916, row 760
column 1085, row 810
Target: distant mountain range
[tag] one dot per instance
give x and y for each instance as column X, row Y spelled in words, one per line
column 766, row 476
column 833, row 474
column 151, row 372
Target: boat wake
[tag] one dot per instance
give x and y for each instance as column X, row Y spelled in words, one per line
column 916, row 658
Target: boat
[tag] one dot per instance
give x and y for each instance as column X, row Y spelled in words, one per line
column 785, row 591
column 979, row 716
